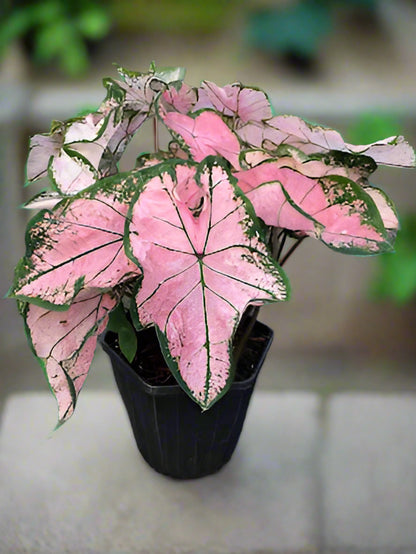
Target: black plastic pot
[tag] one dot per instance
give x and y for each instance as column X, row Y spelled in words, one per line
column 172, row 433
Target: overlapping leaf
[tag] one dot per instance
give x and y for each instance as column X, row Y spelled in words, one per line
column 77, row 245
column 333, row 209
column 244, row 104
column 291, row 130
column 356, row 167
column 205, row 135
column 84, row 149
column 65, row 343
column 181, row 99
column 203, row 262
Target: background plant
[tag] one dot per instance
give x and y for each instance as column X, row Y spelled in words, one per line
column 55, row 30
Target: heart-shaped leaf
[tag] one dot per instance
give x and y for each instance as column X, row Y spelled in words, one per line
column 77, row 245
column 309, row 138
column 333, row 209
column 181, row 99
column 64, row 343
column 203, row 262
column 85, row 149
column 242, row 103
column 206, row 134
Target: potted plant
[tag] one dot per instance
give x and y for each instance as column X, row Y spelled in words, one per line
column 186, row 245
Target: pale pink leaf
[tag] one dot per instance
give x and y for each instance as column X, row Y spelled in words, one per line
column 355, row 167
column 385, row 207
column 42, row 149
column 243, row 103
column 77, row 245
column 180, row 100
column 65, row 343
column 309, row 138
column 203, row 263
column 333, row 209
column 71, row 173
column 205, row 135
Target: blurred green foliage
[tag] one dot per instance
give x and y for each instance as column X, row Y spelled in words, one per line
column 55, row 31
column 396, row 275
column 396, row 279
column 173, row 16
column 371, row 126
column 297, row 29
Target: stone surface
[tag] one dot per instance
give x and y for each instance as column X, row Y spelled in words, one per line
column 87, row 490
column 369, row 472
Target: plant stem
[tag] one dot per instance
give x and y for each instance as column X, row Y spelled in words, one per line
column 290, row 251
column 280, row 246
column 155, row 134
column 245, row 327
column 250, row 315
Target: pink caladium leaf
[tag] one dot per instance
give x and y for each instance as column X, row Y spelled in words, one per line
column 198, row 243
column 71, row 153
column 353, row 166
column 180, row 100
column 386, row 210
column 42, row 148
column 244, row 104
column 205, row 135
column 77, row 245
column 64, row 343
column 309, row 138
column 333, row 209
column 84, row 149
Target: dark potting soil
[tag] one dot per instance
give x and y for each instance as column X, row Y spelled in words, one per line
column 151, row 366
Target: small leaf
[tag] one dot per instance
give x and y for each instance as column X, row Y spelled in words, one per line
column 64, row 343
column 127, row 339
column 205, row 135
column 243, row 103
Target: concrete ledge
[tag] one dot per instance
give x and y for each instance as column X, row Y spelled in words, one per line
column 310, row 476
column 87, row 490
column 370, row 472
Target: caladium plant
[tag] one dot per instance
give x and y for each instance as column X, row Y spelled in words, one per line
column 193, row 236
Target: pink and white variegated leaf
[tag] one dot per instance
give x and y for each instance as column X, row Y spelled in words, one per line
column 205, row 135
column 309, row 138
column 352, row 166
column 71, row 152
column 42, row 148
column 197, row 241
column 85, row 149
column 70, row 172
column 45, row 200
column 244, row 104
column 333, row 209
column 180, row 100
column 386, row 209
column 64, row 343
column 77, row 245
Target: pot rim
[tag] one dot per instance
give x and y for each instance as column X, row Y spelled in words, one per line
column 162, row 390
